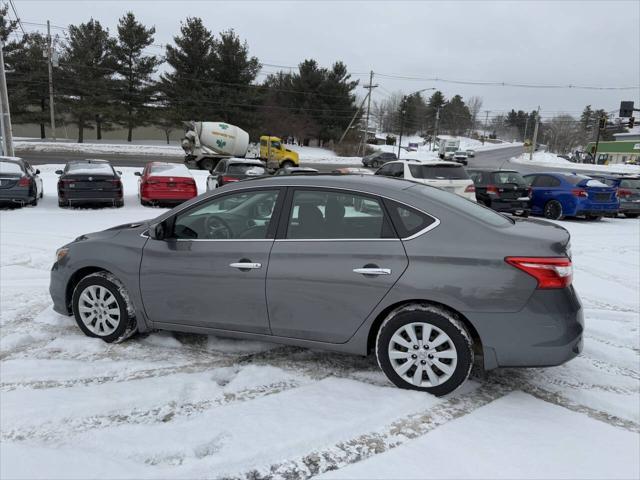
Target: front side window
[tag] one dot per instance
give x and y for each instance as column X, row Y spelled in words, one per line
column 320, row 214
column 275, row 145
column 386, row 170
column 245, row 215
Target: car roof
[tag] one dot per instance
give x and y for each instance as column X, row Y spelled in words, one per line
column 244, row 160
column 491, row 170
column 11, row 159
column 90, row 160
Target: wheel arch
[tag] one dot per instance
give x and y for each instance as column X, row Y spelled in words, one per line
column 375, row 326
column 75, row 278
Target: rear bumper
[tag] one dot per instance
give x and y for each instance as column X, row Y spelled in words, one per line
column 511, row 206
column 629, row 207
column 89, row 196
column 546, row 332
column 17, row 195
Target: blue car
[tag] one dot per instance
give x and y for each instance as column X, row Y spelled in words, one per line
column 559, row 195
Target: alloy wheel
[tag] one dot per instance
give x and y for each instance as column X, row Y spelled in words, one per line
column 99, row 310
column 422, row 354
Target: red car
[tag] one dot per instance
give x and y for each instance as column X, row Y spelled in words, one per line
column 166, row 183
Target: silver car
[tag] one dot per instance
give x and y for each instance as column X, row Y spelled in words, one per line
column 423, row 278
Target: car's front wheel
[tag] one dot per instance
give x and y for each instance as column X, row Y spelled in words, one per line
column 553, row 210
column 421, row 347
column 101, row 307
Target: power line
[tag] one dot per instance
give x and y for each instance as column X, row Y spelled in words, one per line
column 13, row 7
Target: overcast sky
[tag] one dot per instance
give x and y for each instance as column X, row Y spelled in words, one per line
column 593, row 43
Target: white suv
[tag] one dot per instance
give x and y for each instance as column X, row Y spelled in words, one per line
column 449, row 176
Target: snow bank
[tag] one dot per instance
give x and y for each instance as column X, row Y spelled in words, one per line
column 551, row 159
column 100, row 148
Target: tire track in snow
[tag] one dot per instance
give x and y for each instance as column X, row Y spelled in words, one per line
column 373, row 443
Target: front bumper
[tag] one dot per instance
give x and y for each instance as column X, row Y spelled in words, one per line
column 58, row 282
column 546, row 332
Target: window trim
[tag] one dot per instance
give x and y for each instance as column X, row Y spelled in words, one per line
column 271, row 232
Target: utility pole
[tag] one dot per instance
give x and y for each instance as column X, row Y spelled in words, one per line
column 50, row 65
column 402, row 112
column 526, row 127
column 7, row 135
column 600, row 127
column 535, row 135
column 486, row 120
column 370, row 87
column 355, row 115
column 435, row 131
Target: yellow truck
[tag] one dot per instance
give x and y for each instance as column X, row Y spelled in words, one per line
column 275, row 154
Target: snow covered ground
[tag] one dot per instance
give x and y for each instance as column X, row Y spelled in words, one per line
column 549, row 159
column 192, row 406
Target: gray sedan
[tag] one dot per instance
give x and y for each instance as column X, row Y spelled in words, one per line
column 423, row 278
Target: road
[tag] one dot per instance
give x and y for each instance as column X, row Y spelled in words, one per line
column 498, row 158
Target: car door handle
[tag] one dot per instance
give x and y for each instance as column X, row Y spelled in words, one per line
column 372, row 271
column 246, row 265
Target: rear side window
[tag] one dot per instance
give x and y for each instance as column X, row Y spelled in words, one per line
column 324, row 214
column 454, row 172
column 408, row 221
column 545, row 181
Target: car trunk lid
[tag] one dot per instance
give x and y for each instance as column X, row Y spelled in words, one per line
column 9, row 180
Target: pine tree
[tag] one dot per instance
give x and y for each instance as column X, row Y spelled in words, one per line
column 456, row 117
column 436, row 102
column 87, row 69
column 187, row 90
column 136, row 70
column 28, row 81
column 7, row 26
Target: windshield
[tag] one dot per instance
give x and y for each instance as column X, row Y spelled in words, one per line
column 10, row 168
column 509, row 177
column 630, row 183
column 464, row 206
column 246, row 169
column 170, row 170
column 455, row 172
column 89, row 169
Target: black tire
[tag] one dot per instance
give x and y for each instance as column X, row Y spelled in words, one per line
column 126, row 324
column 34, row 202
column 553, row 210
column 62, row 203
column 287, row 164
column 440, row 319
column 631, row 215
column 119, row 204
column 594, row 218
column 207, row 164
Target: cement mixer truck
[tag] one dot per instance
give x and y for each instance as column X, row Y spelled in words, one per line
column 206, row 143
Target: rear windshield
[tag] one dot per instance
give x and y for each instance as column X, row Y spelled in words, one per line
column 455, row 172
column 170, row 170
column 576, row 179
column 246, row 169
column 461, row 204
column 89, row 169
column 630, row 183
column 10, row 168
column 509, row 177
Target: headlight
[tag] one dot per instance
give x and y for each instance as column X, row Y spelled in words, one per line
column 61, row 253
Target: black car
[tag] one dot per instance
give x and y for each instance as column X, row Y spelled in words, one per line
column 296, row 171
column 628, row 192
column 20, row 184
column 377, row 159
column 86, row 182
column 231, row 170
column 502, row 190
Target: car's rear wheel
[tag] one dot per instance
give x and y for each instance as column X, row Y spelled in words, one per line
column 424, row 348
column 631, row 215
column 594, row 218
column 207, row 164
column 553, row 210
column 101, row 307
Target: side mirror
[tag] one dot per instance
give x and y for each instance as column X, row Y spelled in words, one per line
column 37, row 172
column 59, row 172
column 157, row 231
column 137, row 174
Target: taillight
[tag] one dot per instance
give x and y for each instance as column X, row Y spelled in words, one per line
column 492, row 189
column 550, row 272
column 470, row 189
column 624, row 192
column 229, row 179
column 24, row 182
column 579, row 192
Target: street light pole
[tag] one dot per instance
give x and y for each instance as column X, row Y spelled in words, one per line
column 7, row 135
column 403, row 111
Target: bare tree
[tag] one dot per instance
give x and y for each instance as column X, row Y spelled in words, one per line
column 475, row 105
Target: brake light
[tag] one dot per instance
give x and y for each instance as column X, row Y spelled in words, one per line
column 550, row 272
column 624, row 192
column 470, row 189
column 492, row 189
column 579, row 192
column 24, row 182
column 229, row 179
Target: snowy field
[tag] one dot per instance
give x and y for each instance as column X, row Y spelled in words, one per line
column 548, row 159
column 169, row 405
